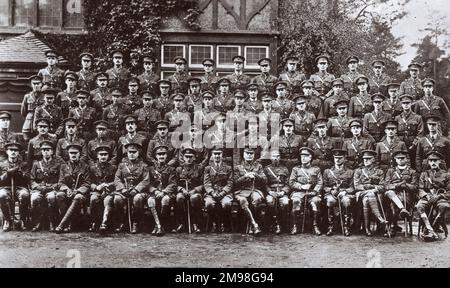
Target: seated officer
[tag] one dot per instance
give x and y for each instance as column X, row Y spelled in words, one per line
column 338, row 187
column 162, row 189
column 367, row 183
column 306, row 184
column 190, row 189
column 250, row 181
column 277, row 191
column 434, row 186
column 218, row 182
column 400, row 183
column 74, row 182
column 131, row 181
column 44, row 177
column 14, row 172
column 102, row 174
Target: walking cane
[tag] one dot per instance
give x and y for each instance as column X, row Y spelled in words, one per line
column 340, row 214
column 128, row 206
column 405, row 221
column 384, row 215
column 13, row 208
column 188, row 208
column 304, row 214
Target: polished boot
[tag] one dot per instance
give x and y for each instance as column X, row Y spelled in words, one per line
column 120, row 220
column 277, row 229
column 64, row 226
column 294, row 219
column 134, row 228
column 366, row 213
column 330, row 223
column 347, row 226
column 158, row 227
column 37, row 214
column 316, row 223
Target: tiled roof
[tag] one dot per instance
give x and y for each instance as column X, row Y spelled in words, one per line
column 26, row 48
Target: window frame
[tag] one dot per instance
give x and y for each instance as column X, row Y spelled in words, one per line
column 254, row 46
column 191, row 65
column 218, row 65
column 8, row 15
column 170, row 65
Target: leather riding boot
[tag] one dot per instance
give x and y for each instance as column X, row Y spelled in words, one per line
column 366, row 213
column 67, row 218
column 330, row 222
column 347, row 225
column 294, row 219
column 159, row 230
column 316, row 221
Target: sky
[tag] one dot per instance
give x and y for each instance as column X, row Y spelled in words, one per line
column 420, row 12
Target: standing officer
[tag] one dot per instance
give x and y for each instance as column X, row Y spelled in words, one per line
column 304, row 120
column 412, row 85
column 321, row 144
column 74, row 182
column 367, row 182
column 194, row 98
column 265, row 80
column 204, row 117
column 339, row 191
column 49, row 110
column 289, row 144
column 162, row 137
column 388, row 145
column 71, row 136
column 434, row 186
column 101, row 139
column 132, row 181
column 360, row 103
column 277, row 192
column 189, row 192
column 238, row 79
column 253, row 104
column 52, row 75
column 130, row 136
column 314, row 104
column 133, row 101
column 218, row 184
column 162, row 189
column 6, row 135
column 356, row 144
column 306, row 185
column 163, row 103
column 378, row 81
column 281, row 104
column 292, row 76
column 400, row 181
column 86, row 77
column 178, row 115
column 101, row 96
column 114, row 114
column 372, row 122
column 147, row 116
column 102, row 174
column 209, row 79
column 66, row 99
column 118, row 75
column 44, row 177
column 392, row 106
column 322, row 79
column 149, row 78
column 29, row 103
column 338, row 127
column 180, row 78
column 250, row 182
column 224, row 99
column 14, row 173
column 338, row 93
column 352, row 74
column 34, row 146
column 84, row 115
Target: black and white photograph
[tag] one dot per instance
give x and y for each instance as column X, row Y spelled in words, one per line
column 224, row 134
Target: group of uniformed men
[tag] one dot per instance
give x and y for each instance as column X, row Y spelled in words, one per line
column 341, row 146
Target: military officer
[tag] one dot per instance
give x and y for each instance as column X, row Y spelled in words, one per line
column 49, row 111
column 209, row 79
column 352, row 74
column 132, row 181
column 388, row 145
column 147, row 116
column 360, row 103
column 118, row 75
column 100, row 97
column 188, row 178
column 224, row 99
column 44, row 177
column 130, row 136
column 71, row 136
column 277, row 197
column 194, row 140
column 205, row 116
column 401, row 187
column 281, row 104
column 238, row 79
column 6, row 135
column 434, row 186
column 101, row 139
column 321, row 144
column 432, row 141
column 265, row 80
column 163, row 103
column 339, row 191
column 306, row 185
column 29, row 103
column 322, row 79
column 289, row 144
column 314, row 104
column 392, row 105
column 329, row 110
column 114, row 114
column 162, row 137
column 194, row 99
column 250, row 182
column 14, row 173
column 133, row 100
column 67, row 99
column 102, row 174
column 372, row 122
column 149, row 78
column 86, row 76
column 338, row 126
column 253, row 104
column 379, row 80
column 84, row 115
column 52, row 75
column 179, row 79
column 268, row 115
column 356, row 144
column 292, row 76
column 218, row 185
column 178, row 115
column 162, row 189
column 411, row 86
column 367, row 182
column 34, row 146
column 238, row 111
column 304, row 120
column 74, row 182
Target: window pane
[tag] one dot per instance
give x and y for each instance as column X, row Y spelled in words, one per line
column 254, row 54
column 23, row 12
column 226, row 54
column 73, row 14
column 4, row 12
column 49, row 13
column 198, row 53
column 170, row 52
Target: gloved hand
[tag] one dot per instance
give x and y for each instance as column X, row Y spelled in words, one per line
column 133, row 192
column 70, row 193
column 192, row 192
column 433, row 199
column 12, row 171
column 273, row 194
column 311, row 194
column 159, row 194
column 342, row 194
